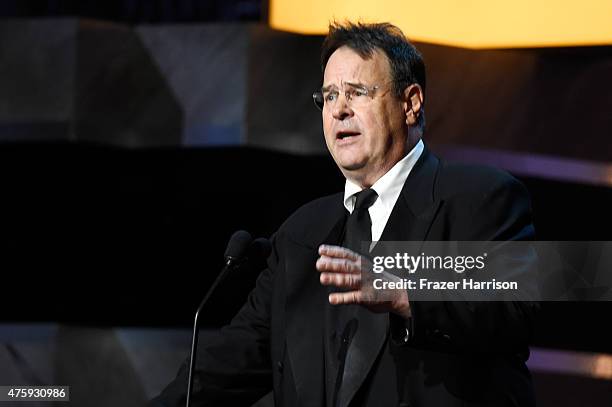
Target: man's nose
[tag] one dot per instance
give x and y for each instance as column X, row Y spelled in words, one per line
column 342, row 109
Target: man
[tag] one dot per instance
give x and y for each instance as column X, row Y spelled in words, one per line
column 307, row 331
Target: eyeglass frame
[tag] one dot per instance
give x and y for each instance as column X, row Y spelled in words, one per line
column 347, row 93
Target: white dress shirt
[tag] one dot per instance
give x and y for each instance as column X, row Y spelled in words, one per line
column 388, row 188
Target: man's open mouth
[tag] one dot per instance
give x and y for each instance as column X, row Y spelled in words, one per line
column 344, row 134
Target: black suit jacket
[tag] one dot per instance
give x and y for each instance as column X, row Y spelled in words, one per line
column 458, row 354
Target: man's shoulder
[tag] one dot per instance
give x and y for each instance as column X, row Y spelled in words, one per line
column 483, row 203
column 470, row 179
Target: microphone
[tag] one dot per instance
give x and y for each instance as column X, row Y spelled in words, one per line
column 238, row 246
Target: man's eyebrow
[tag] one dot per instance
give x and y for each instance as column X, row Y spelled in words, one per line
column 351, row 84
column 356, row 84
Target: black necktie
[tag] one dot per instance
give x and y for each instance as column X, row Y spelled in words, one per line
column 359, row 224
column 344, row 319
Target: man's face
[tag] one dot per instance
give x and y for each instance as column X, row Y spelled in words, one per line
column 365, row 139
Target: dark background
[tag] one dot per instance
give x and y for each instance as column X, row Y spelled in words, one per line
column 138, row 11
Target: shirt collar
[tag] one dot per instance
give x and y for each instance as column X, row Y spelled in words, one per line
column 389, row 186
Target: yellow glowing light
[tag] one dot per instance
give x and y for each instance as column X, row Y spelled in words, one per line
column 465, row 23
column 602, row 368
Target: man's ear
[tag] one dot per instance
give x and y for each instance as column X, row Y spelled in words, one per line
column 413, row 103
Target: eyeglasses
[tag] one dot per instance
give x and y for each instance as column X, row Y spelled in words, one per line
column 356, row 96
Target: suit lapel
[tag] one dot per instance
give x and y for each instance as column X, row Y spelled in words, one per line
column 417, row 205
column 306, row 302
column 362, row 353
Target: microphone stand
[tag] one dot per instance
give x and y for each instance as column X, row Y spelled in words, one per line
column 230, row 263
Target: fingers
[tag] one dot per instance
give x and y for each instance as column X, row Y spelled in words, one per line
column 350, row 297
column 339, row 272
column 338, row 252
column 341, row 280
column 338, row 265
column 338, row 259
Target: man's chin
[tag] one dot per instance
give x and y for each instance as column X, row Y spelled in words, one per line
column 352, row 166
